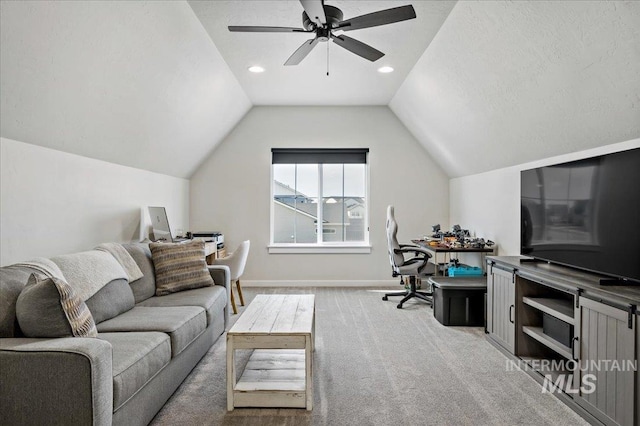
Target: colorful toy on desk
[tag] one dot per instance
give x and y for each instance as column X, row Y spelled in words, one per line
column 456, row 238
column 464, row 271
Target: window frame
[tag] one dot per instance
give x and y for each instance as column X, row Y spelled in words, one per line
column 355, row 247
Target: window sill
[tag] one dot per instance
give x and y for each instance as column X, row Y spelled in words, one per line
column 319, row 249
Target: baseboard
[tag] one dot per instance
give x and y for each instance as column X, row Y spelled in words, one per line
column 321, row 283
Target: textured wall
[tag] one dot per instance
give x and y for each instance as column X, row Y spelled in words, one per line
column 489, row 203
column 130, row 82
column 231, row 191
column 504, row 83
column 54, row 203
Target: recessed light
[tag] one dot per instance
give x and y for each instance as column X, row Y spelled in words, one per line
column 256, row 68
column 385, row 70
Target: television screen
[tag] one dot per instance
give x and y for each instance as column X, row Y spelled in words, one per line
column 585, row 214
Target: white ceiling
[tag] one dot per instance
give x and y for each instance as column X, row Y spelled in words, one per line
column 352, row 80
column 480, row 84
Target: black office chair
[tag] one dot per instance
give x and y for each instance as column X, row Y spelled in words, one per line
column 416, row 266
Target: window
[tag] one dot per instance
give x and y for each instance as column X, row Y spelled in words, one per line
column 319, row 199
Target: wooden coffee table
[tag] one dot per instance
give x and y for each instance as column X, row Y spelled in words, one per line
column 280, row 327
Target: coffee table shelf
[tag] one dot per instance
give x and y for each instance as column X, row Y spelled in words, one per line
column 280, row 329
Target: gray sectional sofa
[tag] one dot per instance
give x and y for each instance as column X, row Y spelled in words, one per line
column 146, row 347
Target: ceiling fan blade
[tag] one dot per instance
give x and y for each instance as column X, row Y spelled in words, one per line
column 302, row 52
column 358, row 47
column 315, row 10
column 254, row 29
column 382, row 17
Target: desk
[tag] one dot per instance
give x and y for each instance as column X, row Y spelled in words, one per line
column 441, row 254
column 211, row 252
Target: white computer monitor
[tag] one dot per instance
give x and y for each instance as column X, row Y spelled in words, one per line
column 160, row 224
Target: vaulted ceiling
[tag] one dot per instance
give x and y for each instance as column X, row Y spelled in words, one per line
column 158, row 85
column 352, row 80
column 505, row 83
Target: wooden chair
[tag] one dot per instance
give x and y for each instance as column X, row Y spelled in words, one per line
column 236, row 262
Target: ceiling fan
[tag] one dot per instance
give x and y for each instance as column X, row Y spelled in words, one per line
column 323, row 20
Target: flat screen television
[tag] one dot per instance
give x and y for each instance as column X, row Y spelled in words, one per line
column 585, row 214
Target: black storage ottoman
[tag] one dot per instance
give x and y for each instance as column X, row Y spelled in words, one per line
column 459, row 301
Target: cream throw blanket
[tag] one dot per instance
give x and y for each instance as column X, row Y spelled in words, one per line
column 89, row 271
column 44, row 266
column 124, row 259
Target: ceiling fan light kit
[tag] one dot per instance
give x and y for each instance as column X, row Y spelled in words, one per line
column 323, row 20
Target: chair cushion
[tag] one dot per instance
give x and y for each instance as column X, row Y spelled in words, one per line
column 49, row 307
column 212, row 299
column 183, row 324
column 179, row 267
column 145, row 287
column 111, row 300
column 137, row 358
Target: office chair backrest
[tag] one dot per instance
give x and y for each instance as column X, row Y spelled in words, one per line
column 396, row 259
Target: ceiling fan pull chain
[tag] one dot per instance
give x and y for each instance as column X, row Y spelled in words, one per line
column 328, row 43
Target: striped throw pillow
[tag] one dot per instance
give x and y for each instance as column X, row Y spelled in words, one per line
column 49, row 307
column 179, row 267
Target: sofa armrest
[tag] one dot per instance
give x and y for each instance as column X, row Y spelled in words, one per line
column 221, row 275
column 65, row 381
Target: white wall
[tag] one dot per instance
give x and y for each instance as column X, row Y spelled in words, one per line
column 230, row 192
column 54, row 202
column 138, row 83
column 489, row 203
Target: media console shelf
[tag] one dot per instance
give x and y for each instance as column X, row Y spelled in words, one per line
column 587, row 325
column 549, row 342
column 559, row 308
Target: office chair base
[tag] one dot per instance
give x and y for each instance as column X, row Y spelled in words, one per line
column 411, row 293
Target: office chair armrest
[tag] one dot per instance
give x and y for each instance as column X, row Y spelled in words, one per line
column 417, row 250
column 423, row 251
column 408, row 245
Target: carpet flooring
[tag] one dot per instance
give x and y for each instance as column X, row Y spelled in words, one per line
column 378, row 365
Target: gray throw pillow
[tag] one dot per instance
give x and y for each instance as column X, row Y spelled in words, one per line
column 49, row 307
column 179, row 267
column 13, row 279
column 111, row 300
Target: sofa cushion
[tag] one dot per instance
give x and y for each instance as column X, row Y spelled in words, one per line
column 12, row 281
column 111, row 300
column 49, row 307
column 179, row 267
column 137, row 358
column 183, row 324
column 145, row 287
column 212, row 299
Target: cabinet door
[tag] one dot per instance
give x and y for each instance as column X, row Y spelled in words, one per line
column 606, row 343
column 503, row 315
